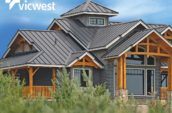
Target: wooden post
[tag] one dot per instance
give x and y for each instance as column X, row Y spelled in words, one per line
column 120, row 73
column 148, row 46
column 170, row 74
column 54, row 73
column 30, row 80
column 124, row 73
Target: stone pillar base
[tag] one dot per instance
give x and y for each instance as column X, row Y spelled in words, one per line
column 122, row 94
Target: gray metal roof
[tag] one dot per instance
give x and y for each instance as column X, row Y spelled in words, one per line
column 56, row 47
column 74, row 56
column 90, row 8
column 94, row 37
column 106, row 35
column 156, row 25
column 18, row 60
column 161, row 29
column 82, row 33
column 127, row 43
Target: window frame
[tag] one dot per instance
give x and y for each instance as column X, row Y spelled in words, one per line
column 80, row 69
column 104, row 19
column 145, row 81
column 147, row 61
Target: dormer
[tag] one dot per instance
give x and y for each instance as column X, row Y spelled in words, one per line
column 91, row 14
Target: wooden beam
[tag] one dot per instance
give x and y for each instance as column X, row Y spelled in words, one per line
column 150, row 54
column 34, row 72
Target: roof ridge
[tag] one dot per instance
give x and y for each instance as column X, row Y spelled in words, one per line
column 35, row 30
column 72, row 9
column 104, row 6
column 126, row 22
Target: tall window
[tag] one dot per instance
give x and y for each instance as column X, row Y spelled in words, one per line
column 97, row 21
column 140, row 81
column 135, row 81
column 150, row 82
column 81, row 75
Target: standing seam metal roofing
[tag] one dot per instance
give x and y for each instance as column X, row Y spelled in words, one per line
column 95, row 37
column 17, row 60
column 56, row 46
column 130, row 41
column 90, row 7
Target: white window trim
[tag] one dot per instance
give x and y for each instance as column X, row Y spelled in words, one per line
column 97, row 18
column 145, row 82
column 86, row 68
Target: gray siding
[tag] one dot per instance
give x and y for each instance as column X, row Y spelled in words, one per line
column 158, row 77
column 96, row 76
column 108, row 77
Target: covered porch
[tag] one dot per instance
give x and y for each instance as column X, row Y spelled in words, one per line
column 36, row 81
column 139, row 70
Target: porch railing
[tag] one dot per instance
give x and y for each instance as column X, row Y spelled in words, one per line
column 43, row 91
column 163, row 93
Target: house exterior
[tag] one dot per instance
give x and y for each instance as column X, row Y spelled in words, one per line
column 131, row 58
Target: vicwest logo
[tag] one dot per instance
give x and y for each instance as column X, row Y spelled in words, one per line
column 31, row 6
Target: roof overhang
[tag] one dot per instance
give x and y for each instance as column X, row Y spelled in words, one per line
column 153, row 31
column 89, row 13
column 31, row 65
column 86, row 54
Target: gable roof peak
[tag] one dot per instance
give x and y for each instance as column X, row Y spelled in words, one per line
column 90, row 7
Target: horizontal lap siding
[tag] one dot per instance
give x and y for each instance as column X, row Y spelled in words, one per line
column 108, row 77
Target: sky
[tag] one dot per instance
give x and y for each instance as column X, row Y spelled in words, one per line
column 150, row 11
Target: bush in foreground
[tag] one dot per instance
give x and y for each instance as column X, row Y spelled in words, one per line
column 68, row 98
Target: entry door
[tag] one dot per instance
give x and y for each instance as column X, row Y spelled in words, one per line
column 150, row 81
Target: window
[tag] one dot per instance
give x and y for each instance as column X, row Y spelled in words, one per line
column 150, row 82
column 135, row 60
column 97, row 21
column 141, row 81
column 81, row 75
column 151, row 61
column 164, row 76
column 135, row 81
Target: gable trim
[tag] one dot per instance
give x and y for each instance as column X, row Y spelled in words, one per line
column 12, row 41
column 168, row 28
column 86, row 54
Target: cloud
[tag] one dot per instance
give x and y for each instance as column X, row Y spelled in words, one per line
column 137, row 8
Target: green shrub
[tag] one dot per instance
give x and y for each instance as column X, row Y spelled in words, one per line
column 68, row 98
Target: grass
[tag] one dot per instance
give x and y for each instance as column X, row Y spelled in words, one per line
column 69, row 98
